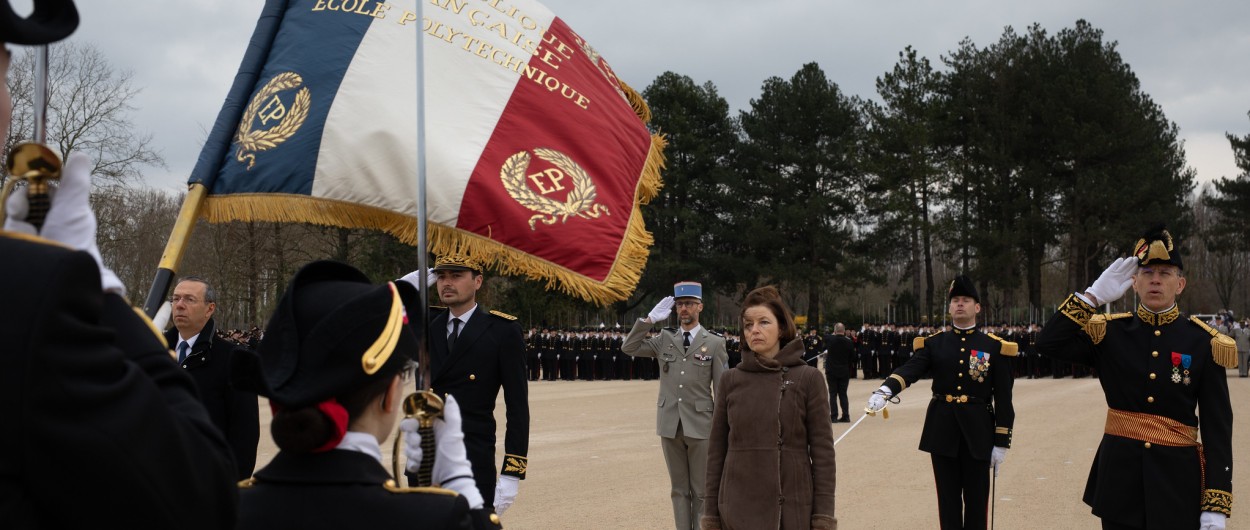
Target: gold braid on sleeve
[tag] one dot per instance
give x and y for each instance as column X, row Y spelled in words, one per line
column 1217, row 501
column 1076, row 310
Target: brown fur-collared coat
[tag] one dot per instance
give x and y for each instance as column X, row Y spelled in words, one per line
column 770, row 454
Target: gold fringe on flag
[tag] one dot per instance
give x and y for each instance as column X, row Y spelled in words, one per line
column 619, row 284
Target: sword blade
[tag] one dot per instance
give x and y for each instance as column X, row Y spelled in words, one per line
column 848, row 431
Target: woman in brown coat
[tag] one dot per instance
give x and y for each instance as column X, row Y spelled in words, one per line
column 770, row 455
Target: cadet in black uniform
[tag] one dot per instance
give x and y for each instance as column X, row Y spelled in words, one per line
column 87, row 384
column 1156, row 368
column 332, row 363
column 473, row 354
column 967, row 428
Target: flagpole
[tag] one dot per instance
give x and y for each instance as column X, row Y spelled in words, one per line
column 423, row 369
column 174, row 248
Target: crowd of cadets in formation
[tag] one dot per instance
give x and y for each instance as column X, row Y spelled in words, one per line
column 595, row 354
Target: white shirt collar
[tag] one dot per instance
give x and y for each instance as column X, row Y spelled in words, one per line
column 190, row 342
column 361, row 443
column 464, row 319
column 694, row 332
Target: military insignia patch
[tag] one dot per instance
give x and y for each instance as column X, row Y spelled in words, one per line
column 266, row 108
column 579, row 202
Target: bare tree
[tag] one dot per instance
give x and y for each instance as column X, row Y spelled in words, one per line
column 89, row 108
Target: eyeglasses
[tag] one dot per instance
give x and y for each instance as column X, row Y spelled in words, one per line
column 190, row 300
column 687, row 304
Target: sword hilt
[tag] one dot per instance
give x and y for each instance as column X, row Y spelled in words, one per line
column 425, row 473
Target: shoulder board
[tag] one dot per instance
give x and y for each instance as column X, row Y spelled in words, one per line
column 1223, row 347
column 936, row 333
column 715, row 333
column 917, row 343
column 674, row 330
column 391, row 487
column 247, row 483
column 1010, row 349
column 502, row 315
column 34, row 239
column 1113, row 316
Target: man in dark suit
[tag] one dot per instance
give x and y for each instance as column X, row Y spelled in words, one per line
column 473, row 354
column 1156, row 368
column 967, row 428
column 86, row 383
column 207, row 358
column 838, row 371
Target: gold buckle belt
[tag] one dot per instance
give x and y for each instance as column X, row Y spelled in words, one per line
column 956, row 399
column 1150, row 428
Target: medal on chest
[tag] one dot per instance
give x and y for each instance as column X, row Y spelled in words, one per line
column 978, row 365
column 1181, row 362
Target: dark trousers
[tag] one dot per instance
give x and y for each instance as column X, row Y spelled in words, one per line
column 837, row 396
column 963, row 490
column 1108, row 525
column 549, row 366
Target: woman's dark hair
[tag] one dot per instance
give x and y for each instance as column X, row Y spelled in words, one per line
column 304, row 429
column 768, row 297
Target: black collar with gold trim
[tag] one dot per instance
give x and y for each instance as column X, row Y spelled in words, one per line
column 968, row 331
column 1158, row 319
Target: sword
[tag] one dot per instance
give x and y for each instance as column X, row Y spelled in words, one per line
column 884, row 415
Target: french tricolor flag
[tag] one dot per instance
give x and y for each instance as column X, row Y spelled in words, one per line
column 537, row 156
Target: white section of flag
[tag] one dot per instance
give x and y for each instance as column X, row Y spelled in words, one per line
column 368, row 146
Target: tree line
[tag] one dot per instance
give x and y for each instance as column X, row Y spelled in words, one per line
column 1027, row 164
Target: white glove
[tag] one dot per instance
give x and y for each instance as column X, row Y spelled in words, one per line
column 997, row 456
column 70, row 220
column 1212, row 521
column 505, row 492
column 1113, row 282
column 876, row 401
column 431, row 278
column 661, row 310
column 451, row 461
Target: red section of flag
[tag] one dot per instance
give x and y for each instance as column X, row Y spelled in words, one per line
column 605, row 141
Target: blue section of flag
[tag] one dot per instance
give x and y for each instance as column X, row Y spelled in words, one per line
column 318, row 46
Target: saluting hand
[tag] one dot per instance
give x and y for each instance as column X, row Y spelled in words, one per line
column 661, row 310
column 1113, row 282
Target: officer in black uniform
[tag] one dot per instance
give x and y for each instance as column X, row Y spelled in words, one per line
column 86, row 382
column 551, row 348
column 473, row 354
column 967, row 428
column 813, row 347
column 1156, row 368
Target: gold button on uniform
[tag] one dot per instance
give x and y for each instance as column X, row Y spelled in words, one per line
column 961, row 374
column 1150, row 399
column 961, row 361
column 1157, row 333
column 961, row 349
column 959, row 388
column 1154, row 354
column 1152, row 376
column 472, row 377
column 1147, row 445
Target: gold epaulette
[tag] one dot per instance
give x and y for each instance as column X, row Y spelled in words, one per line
column 393, row 488
column 1010, row 349
column 247, row 483
column 1223, row 347
column 501, row 314
column 1096, row 327
column 917, row 343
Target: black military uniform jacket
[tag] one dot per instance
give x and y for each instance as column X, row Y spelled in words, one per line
column 838, row 360
column 234, row 412
column 1134, row 354
column 86, row 381
column 341, row 489
column 972, row 384
column 489, row 354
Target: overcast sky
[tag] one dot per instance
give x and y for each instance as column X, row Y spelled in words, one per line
column 1191, row 57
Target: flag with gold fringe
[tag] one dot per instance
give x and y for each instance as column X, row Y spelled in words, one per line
column 537, row 156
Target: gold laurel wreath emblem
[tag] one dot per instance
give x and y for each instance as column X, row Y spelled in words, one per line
column 580, row 201
column 253, row 141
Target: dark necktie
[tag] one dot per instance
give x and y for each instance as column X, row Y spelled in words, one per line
column 685, row 343
column 182, row 351
column 455, row 332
